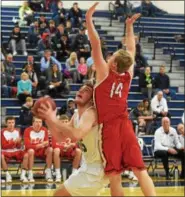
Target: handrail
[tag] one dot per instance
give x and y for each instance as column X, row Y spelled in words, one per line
column 155, row 47
column 111, row 12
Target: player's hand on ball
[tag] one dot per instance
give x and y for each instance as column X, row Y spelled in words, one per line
column 132, row 20
column 91, row 10
column 46, row 112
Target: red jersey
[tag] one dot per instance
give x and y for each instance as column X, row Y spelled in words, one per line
column 8, row 140
column 111, row 96
column 61, row 144
column 33, row 138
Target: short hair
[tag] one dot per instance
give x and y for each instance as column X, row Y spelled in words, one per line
column 51, row 22
column 64, row 117
column 162, row 66
column 24, row 73
column 34, row 118
column 9, row 55
column 89, row 84
column 75, row 3
column 9, row 118
column 140, row 105
column 123, row 60
column 29, row 99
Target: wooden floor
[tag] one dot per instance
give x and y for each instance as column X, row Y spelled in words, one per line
column 163, row 188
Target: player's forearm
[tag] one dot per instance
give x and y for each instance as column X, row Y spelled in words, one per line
column 92, row 33
column 60, row 130
column 130, row 39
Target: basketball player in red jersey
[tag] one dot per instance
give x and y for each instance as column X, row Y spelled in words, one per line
column 120, row 147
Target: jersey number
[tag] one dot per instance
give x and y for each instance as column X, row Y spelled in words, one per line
column 116, row 90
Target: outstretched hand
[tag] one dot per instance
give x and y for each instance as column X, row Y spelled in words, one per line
column 91, row 10
column 130, row 21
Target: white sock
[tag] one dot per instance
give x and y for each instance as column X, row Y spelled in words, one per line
column 23, row 172
column 30, row 172
column 7, row 172
column 74, row 170
column 57, row 170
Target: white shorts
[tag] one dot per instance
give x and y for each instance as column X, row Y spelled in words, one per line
column 83, row 183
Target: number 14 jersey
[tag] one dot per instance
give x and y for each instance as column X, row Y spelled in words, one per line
column 110, row 96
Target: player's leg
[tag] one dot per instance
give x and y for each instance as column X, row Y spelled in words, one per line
column 77, row 159
column 57, row 160
column 31, row 157
column 5, row 168
column 49, row 161
column 145, row 182
column 24, row 166
column 62, row 192
column 115, row 185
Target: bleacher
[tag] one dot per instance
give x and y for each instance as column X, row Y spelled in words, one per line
column 160, row 29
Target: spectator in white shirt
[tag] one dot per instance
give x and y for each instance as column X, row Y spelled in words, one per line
column 180, row 129
column 167, row 144
column 159, row 105
column 183, row 118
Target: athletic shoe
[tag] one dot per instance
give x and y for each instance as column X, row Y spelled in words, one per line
column 30, row 177
column 48, row 175
column 8, row 177
column 132, row 176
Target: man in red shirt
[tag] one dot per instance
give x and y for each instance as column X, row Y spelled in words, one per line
column 12, row 149
column 120, row 147
column 37, row 145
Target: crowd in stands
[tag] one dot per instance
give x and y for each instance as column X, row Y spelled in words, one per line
column 65, row 39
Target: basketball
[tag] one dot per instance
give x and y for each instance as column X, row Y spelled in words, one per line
column 43, row 100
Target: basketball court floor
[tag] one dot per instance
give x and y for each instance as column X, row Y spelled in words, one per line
column 40, row 188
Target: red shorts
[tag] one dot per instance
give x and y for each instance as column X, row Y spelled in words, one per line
column 17, row 155
column 120, row 146
column 69, row 154
column 41, row 153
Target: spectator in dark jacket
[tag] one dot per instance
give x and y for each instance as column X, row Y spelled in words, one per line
column 60, row 31
column 55, row 82
column 44, row 44
column 162, row 82
column 52, row 30
column 34, row 34
column 60, row 16
column 81, row 44
column 62, row 47
column 36, row 67
column 43, row 24
column 75, row 15
column 70, row 31
column 17, row 41
column 36, row 5
column 9, row 69
column 25, row 115
column 146, row 83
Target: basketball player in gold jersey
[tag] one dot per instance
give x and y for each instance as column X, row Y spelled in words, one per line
column 89, row 179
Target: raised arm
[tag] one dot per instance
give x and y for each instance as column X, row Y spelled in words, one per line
column 99, row 62
column 130, row 38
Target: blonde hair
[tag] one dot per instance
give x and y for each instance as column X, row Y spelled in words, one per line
column 123, row 60
column 72, row 61
column 29, row 99
column 24, row 74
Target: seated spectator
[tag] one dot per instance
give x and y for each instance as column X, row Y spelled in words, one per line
column 44, row 44
column 66, row 149
column 5, row 89
column 90, row 67
column 36, row 143
column 56, row 85
column 162, row 82
column 60, row 16
column 72, row 65
column 180, row 129
column 148, row 9
column 36, row 67
column 146, row 83
column 81, row 44
column 24, row 88
column 82, row 70
column 26, row 14
column 17, row 41
column 182, row 118
column 33, row 78
column 103, row 46
column 12, row 149
column 68, row 109
column 9, row 69
column 43, row 23
column 34, row 34
column 47, row 61
column 60, row 31
column 75, row 15
column 62, row 47
column 167, row 144
column 159, row 106
column 119, row 8
column 36, row 5
column 180, row 38
column 71, row 32
column 25, row 115
column 52, row 30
